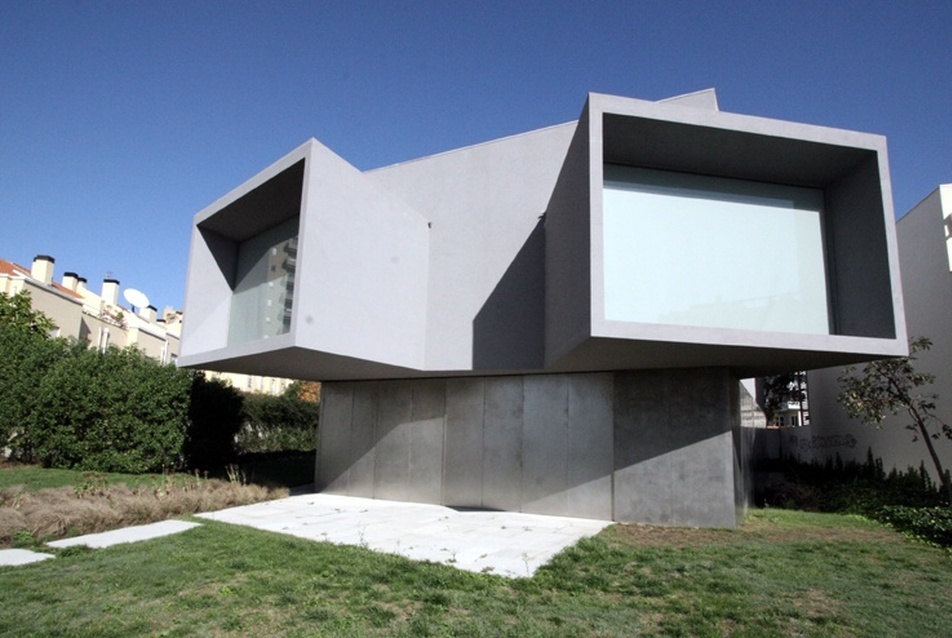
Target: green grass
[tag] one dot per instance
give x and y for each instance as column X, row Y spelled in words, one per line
column 784, row 573
column 287, row 470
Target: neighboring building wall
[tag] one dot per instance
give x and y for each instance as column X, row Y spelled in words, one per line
column 81, row 314
column 648, row 446
column 926, row 268
column 252, row 383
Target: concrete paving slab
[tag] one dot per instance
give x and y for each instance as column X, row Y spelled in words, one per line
column 504, row 543
column 127, row 535
column 10, row 557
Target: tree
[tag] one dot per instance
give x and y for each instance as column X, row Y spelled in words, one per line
column 309, row 391
column 17, row 312
column 26, row 354
column 892, row 386
column 782, row 389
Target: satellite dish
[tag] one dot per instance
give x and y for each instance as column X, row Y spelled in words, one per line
column 135, row 298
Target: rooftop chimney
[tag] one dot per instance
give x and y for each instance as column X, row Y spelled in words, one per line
column 80, row 284
column 43, row 269
column 148, row 313
column 110, row 292
column 70, row 279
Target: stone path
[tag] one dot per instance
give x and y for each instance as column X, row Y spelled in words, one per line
column 504, row 543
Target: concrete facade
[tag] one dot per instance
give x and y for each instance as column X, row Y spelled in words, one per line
column 455, row 308
column 647, row 446
column 925, row 255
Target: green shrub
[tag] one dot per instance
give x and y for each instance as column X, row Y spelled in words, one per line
column 25, row 359
column 933, row 524
column 851, row 487
column 277, row 424
column 909, row 501
column 113, row 411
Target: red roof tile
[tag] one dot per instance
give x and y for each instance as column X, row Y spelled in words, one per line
column 16, row 270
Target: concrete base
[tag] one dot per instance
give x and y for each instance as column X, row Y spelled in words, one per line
column 656, row 446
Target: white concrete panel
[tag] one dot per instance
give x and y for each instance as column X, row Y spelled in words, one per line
column 545, row 445
column 503, row 447
column 363, row 440
column 591, row 441
column 426, row 441
column 643, row 492
column 463, row 455
column 334, row 442
column 702, row 477
column 392, row 459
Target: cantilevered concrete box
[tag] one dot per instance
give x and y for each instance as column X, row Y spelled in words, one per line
column 554, row 321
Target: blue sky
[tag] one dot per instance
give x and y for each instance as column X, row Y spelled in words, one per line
column 120, row 120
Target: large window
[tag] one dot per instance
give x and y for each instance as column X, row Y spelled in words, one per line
column 707, row 251
column 264, row 284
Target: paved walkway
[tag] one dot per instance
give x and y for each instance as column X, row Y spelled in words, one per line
column 504, row 543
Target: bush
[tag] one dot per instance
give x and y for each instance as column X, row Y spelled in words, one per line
column 909, row 501
column 25, row 359
column 852, row 487
column 933, row 524
column 277, row 424
column 113, row 411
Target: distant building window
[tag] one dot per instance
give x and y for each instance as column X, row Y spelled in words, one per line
column 264, row 284
column 695, row 250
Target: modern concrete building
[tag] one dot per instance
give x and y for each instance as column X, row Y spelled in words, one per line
column 925, row 257
column 554, row 322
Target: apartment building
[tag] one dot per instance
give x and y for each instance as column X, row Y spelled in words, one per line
column 101, row 320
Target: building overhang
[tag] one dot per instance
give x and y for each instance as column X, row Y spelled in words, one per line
column 360, row 298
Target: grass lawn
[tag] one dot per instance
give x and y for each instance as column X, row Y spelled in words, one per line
column 784, row 573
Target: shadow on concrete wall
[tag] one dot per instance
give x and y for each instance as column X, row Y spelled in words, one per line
column 652, row 446
column 509, row 330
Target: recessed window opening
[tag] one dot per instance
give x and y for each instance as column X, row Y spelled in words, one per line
column 713, row 252
column 264, row 284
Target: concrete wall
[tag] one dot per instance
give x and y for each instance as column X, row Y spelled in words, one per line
column 487, row 279
column 927, row 286
column 490, row 259
column 650, row 447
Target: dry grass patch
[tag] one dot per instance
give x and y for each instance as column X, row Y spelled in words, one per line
column 766, row 525
column 53, row 513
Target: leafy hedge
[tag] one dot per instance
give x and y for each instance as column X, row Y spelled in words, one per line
column 25, row 359
column 933, row 524
column 276, row 424
column 65, row 405
column 909, row 501
column 117, row 411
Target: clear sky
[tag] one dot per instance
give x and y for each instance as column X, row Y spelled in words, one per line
column 120, row 120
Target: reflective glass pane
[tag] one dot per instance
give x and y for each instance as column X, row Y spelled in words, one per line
column 707, row 251
column 264, row 285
